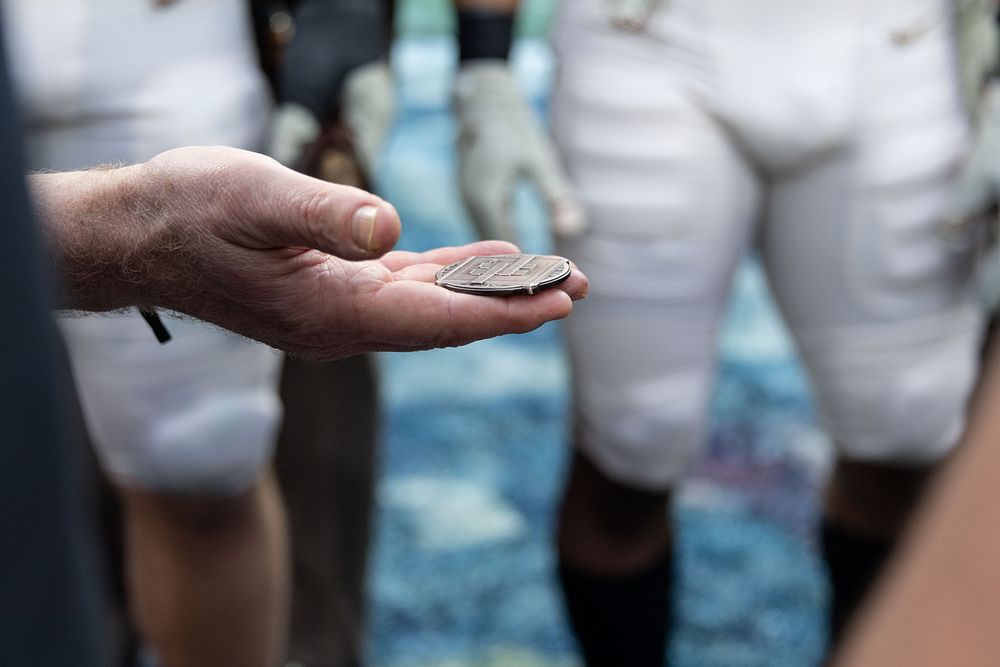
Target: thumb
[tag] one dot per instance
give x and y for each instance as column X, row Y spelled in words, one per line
column 255, row 202
column 976, row 187
column 292, row 128
column 337, row 219
column 490, row 211
column 565, row 211
column 487, row 187
column 974, row 192
column 368, row 109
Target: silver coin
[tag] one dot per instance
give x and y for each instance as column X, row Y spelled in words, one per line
column 502, row 275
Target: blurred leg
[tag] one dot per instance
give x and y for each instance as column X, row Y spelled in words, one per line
column 872, row 498
column 878, row 303
column 208, row 576
column 669, row 206
column 121, row 641
column 184, row 430
column 867, row 505
column 607, row 526
column 326, row 460
column 615, row 567
column 326, row 466
column 938, row 603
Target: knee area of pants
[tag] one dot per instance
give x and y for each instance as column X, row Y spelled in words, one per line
column 649, row 449
column 914, row 418
column 215, row 448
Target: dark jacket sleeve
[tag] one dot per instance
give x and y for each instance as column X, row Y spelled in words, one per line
column 47, row 592
column 332, row 37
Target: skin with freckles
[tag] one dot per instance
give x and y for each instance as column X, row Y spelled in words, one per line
column 234, row 238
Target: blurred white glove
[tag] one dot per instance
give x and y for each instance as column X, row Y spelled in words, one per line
column 978, row 184
column 500, row 140
column 977, row 190
column 293, row 127
column 977, row 39
column 367, row 110
column 978, row 46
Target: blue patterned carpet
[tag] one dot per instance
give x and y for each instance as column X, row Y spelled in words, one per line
column 475, row 448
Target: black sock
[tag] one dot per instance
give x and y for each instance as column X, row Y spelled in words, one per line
column 620, row 620
column 853, row 562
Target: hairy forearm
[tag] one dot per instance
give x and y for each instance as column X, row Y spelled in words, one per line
column 99, row 227
column 233, row 238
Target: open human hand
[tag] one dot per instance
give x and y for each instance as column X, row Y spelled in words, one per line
column 234, row 238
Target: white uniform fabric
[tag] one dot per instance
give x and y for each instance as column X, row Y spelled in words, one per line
column 829, row 133
column 111, row 81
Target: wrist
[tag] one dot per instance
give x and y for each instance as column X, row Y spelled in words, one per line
column 484, row 33
column 486, row 86
column 100, row 228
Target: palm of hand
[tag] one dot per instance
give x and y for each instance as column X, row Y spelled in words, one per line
column 334, row 308
column 269, row 254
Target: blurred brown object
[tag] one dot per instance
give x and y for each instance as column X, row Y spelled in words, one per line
column 939, row 603
column 332, row 158
column 326, row 463
column 326, row 466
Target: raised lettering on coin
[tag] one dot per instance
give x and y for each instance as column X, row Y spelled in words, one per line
column 502, row 275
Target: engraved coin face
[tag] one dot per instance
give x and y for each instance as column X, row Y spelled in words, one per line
column 502, row 275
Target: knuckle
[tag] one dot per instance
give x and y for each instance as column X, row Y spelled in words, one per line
column 313, row 213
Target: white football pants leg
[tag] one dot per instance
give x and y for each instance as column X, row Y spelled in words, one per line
column 118, row 81
column 840, row 141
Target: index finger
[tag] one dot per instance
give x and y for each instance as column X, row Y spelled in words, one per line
column 417, row 315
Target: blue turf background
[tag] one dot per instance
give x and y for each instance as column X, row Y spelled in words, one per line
column 474, row 449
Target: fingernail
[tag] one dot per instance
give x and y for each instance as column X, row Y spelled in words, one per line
column 363, row 227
